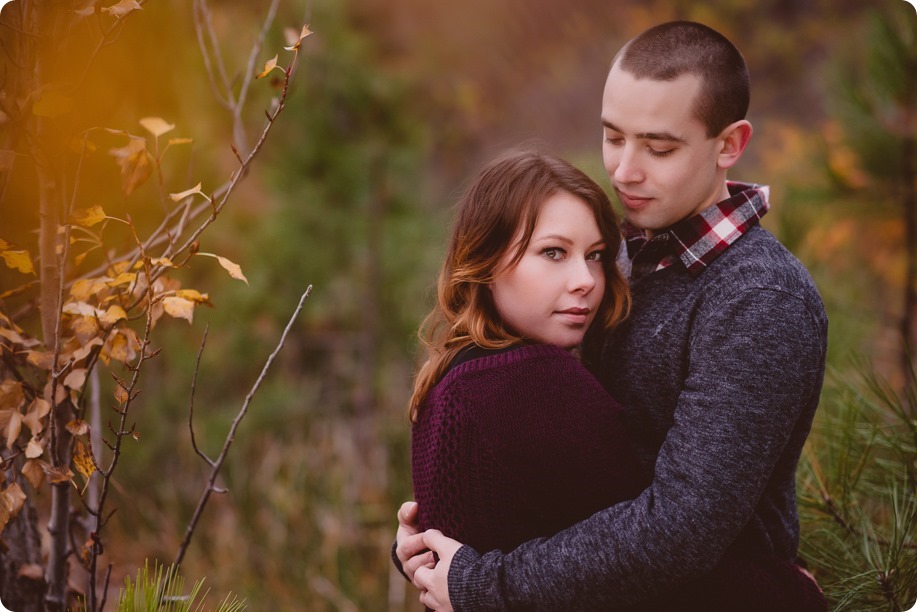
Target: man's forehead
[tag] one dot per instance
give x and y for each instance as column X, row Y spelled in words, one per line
column 651, row 107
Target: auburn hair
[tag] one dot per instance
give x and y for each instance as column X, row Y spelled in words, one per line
column 506, row 197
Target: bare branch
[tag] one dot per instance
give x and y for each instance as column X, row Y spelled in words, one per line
column 200, row 14
column 197, row 367
column 238, row 125
column 230, row 437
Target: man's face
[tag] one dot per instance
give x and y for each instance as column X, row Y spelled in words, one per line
column 661, row 163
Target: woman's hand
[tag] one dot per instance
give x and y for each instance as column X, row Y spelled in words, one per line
column 409, row 546
column 433, row 581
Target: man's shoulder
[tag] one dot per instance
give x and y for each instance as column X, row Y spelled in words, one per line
column 759, row 259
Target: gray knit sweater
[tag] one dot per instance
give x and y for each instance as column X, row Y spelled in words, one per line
column 720, row 373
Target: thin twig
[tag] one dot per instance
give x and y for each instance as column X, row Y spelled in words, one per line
column 197, row 367
column 226, row 100
column 230, row 437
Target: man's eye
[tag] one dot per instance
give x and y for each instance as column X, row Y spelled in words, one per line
column 658, row 153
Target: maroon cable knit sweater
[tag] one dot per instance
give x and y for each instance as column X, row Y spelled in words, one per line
column 516, row 445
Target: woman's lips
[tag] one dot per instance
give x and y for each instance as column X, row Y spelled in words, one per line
column 577, row 316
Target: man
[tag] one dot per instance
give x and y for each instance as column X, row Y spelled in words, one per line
column 719, row 367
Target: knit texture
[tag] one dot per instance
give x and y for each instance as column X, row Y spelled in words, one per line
column 518, row 445
column 720, row 374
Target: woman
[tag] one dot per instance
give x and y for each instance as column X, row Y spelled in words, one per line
column 513, row 438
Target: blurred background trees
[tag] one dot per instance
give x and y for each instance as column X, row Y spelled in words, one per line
column 394, row 106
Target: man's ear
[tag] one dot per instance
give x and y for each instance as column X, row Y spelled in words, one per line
column 734, row 138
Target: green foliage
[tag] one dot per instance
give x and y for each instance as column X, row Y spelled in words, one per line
column 163, row 590
column 858, row 495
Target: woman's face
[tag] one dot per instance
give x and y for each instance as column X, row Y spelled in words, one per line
column 552, row 293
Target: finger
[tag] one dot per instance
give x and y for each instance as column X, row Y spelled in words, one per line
column 438, row 543
column 414, row 563
column 410, row 546
column 423, row 578
column 407, row 513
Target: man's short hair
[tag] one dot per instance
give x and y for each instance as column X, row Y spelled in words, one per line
column 669, row 50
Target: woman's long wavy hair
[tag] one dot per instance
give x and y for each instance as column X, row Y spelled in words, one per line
column 507, row 195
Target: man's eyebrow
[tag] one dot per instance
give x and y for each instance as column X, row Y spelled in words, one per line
column 666, row 136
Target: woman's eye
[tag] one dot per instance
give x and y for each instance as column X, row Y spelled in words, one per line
column 553, row 253
column 614, row 140
column 596, row 256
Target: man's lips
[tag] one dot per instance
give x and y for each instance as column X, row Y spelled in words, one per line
column 632, row 201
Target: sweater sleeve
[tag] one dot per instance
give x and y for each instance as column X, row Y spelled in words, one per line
column 749, row 380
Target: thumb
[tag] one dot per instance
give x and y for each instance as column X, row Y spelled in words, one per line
column 407, row 514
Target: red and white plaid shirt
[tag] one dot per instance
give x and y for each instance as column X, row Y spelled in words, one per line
column 698, row 240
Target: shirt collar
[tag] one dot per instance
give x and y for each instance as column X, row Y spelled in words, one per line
column 698, row 240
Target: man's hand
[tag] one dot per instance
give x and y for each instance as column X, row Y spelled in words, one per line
column 409, row 548
column 433, row 581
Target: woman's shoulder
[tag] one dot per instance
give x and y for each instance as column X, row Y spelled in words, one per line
column 529, row 372
column 476, row 360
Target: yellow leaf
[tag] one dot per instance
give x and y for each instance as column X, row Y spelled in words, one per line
column 121, row 395
column 86, row 287
column 84, row 351
column 58, row 475
column 268, row 66
column 135, row 164
column 193, row 295
column 79, row 308
column 43, row 360
column 18, row 260
column 75, row 379
column 113, row 315
column 52, row 104
column 12, row 499
column 234, row 270
column 10, row 335
column 122, row 8
column 13, row 427
column 11, row 395
column 87, row 217
column 119, row 267
column 78, row 427
column 119, row 347
column 162, row 261
column 33, row 449
column 178, row 141
column 38, row 410
column 294, row 41
column 175, row 197
column 83, row 460
column 180, row 308
column 34, row 473
column 125, row 278
column 85, row 328
column 157, row 126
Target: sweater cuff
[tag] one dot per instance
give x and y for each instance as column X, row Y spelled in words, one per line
column 474, row 582
column 397, row 561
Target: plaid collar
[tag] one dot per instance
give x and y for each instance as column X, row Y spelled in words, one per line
column 699, row 240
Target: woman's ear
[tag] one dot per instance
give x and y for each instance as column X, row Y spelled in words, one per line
column 734, row 138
